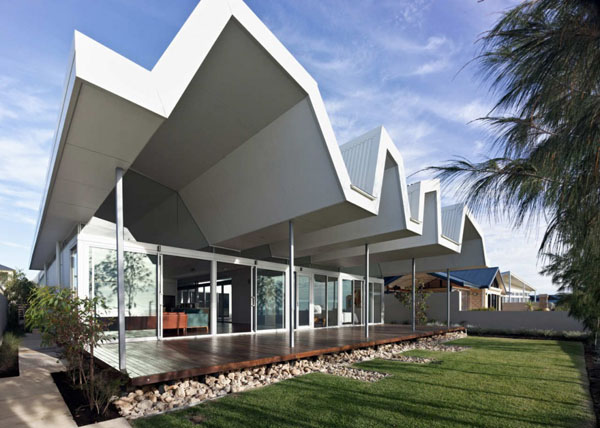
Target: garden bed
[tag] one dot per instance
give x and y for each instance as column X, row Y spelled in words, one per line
column 578, row 336
column 78, row 404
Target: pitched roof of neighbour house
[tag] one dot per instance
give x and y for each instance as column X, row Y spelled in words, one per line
column 479, row 278
column 473, row 278
column 171, row 127
column 2, row 267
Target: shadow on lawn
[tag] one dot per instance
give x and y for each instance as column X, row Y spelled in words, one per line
column 383, row 408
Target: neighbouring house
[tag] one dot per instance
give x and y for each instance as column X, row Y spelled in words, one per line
column 478, row 288
column 211, row 194
column 517, row 289
column 6, row 274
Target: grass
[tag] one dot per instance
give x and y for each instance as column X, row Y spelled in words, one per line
column 497, row 382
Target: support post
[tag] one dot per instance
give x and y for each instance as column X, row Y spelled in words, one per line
column 291, row 281
column 366, row 295
column 448, row 296
column 120, row 267
column 213, row 297
column 57, row 264
column 509, row 288
column 414, row 295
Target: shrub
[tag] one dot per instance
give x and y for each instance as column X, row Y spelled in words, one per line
column 9, row 350
column 421, row 306
column 70, row 322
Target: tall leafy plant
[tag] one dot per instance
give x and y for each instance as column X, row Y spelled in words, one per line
column 421, row 305
column 541, row 62
column 70, row 322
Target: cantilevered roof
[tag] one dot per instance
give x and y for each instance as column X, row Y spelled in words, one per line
column 227, row 118
column 233, row 133
column 445, row 240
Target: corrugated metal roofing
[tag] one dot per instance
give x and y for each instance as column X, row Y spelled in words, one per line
column 413, row 200
column 452, row 218
column 480, row 278
column 360, row 157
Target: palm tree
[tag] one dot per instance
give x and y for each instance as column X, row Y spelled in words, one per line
column 542, row 61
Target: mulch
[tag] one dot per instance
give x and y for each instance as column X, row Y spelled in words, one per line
column 77, row 403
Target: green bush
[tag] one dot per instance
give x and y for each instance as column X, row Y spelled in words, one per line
column 70, row 322
column 530, row 333
column 9, row 350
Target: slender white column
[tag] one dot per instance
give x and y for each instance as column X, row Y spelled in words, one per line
column 509, row 288
column 213, row 297
column 448, row 295
column 57, row 263
column 414, row 294
column 120, row 267
column 291, row 285
column 366, row 295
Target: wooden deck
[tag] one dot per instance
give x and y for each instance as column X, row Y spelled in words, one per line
column 158, row 361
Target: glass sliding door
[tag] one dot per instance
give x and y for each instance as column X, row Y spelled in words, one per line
column 332, row 301
column 377, row 305
column 374, row 303
column 357, row 312
column 140, row 291
column 319, row 300
column 347, row 303
column 186, row 296
column 303, row 296
column 234, row 298
column 270, row 299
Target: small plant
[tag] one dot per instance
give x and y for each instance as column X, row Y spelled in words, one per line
column 421, row 306
column 9, row 351
column 70, row 322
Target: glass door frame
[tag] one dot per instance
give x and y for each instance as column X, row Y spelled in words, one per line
column 311, row 319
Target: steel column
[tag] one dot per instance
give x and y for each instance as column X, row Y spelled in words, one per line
column 120, row 266
column 366, row 295
column 448, row 295
column 213, row 297
column 413, row 299
column 58, row 268
column 291, row 282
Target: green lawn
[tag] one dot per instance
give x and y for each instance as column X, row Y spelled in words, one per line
column 495, row 383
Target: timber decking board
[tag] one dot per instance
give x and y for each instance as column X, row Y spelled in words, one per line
column 158, row 361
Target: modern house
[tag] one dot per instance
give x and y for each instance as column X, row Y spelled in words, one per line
column 208, row 197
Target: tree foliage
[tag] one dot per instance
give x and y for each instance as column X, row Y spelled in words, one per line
column 18, row 288
column 541, row 61
column 421, row 306
column 70, row 322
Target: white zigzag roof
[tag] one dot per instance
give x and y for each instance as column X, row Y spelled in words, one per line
column 231, row 122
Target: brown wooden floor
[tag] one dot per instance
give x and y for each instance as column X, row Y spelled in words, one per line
column 157, row 361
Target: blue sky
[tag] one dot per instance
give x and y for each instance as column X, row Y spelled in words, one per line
column 398, row 63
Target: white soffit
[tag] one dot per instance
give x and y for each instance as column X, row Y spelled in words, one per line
column 376, row 168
